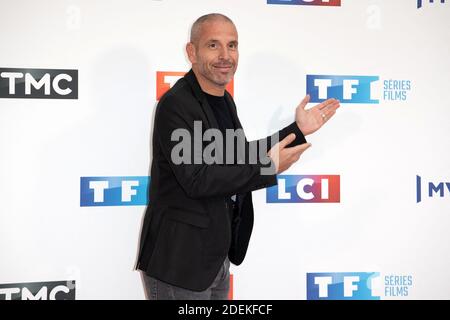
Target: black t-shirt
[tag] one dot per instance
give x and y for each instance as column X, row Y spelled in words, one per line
column 222, row 112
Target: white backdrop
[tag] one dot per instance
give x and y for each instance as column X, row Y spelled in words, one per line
column 47, row 145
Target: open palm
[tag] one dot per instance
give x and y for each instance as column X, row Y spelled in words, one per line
column 311, row 120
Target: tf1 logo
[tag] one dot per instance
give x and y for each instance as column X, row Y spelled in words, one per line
column 340, row 286
column 166, row 79
column 331, row 3
column 38, row 83
column 305, row 188
column 113, row 191
column 55, row 290
column 347, row 89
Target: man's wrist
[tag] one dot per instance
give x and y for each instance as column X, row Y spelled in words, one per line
column 299, row 135
column 305, row 133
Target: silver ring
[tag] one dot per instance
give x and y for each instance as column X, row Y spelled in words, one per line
column 323, row 116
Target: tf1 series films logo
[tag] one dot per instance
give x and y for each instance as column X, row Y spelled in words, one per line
column 356, row 89
column 357, row 286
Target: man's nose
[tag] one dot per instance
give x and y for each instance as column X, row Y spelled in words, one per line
column 224, row 54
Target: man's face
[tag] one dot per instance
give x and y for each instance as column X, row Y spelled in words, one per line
column 215, row 55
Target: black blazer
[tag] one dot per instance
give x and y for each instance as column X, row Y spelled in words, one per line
column 190, row 225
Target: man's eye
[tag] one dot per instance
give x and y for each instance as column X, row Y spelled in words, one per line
column 212, row 45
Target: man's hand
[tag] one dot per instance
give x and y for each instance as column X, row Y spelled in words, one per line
column 309, row 121
column 284, row 157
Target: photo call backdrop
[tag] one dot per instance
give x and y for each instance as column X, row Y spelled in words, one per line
column 364, row 213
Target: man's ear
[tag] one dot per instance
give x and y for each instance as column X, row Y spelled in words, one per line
column 190, row 50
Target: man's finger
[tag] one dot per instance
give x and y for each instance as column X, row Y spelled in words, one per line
column 326, row 103
column 328, row 115
column 299, row 149
column 304, row 102
column 286, row 141
column 333, row 106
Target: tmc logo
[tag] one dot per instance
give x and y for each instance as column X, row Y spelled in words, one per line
column 419, row 3
column 340, row 286
column 433, row 189
column 55, row 290
column 166, row 79
column 347, row 89
column 113, row 191
column 333, row 3
column 38, row 83
column 305, row 188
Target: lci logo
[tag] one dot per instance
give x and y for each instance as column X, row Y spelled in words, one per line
column 331, row 3
column 340, row 286
column 38, row 83
column 55, row 290
column 440, row 188
column 305, row 188
column 166, row 79
column 113, row 191
column 419, row 3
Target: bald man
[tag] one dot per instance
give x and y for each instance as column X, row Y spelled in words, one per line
column 200, row 215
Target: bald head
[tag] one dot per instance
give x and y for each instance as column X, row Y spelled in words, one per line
column 213, row 52
column 196, row 29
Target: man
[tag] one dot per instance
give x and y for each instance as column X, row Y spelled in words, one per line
column 200, row 215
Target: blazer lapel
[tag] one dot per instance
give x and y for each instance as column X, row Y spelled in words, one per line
column 232, row 105
column 198, row 93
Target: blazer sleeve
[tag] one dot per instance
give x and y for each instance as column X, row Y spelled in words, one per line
column 271, row 140
column 207, row 180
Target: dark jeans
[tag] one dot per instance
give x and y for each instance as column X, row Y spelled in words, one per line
column 158, row 290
